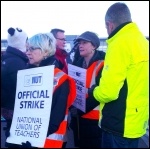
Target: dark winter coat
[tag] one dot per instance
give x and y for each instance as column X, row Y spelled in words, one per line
column 12, row 61
column 87, row 132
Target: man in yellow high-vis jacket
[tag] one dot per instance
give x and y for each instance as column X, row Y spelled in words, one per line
column 123, row 90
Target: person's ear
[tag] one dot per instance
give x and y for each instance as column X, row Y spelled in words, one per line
column 45, row 53
column 109, row 26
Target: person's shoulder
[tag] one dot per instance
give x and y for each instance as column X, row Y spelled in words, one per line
column 9, row 60
column 101, row 55
column 15, row 55
column 58, row 64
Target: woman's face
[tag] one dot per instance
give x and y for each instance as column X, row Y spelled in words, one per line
column 85, row 48
column 35, row 55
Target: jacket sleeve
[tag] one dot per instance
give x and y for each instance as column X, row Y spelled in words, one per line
column 59, row 103
column 113, row 74
column 91, row 102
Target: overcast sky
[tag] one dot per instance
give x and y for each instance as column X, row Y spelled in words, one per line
column 74, row 17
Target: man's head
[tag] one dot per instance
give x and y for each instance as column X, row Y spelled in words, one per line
column 60, row 38
column 117, row 14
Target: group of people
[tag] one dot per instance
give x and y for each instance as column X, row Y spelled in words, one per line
column 117, row 97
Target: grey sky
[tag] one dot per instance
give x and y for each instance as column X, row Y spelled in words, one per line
column 74, row 17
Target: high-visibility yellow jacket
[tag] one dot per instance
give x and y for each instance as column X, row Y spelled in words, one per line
column 123, row 90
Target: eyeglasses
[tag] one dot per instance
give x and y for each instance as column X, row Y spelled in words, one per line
column 62, row 39
column 32, row 49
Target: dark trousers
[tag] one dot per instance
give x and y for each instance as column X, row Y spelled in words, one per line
column 109, row 140
column 87, row 133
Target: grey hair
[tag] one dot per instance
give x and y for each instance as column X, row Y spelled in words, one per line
column 44, row 41
column 118, row 13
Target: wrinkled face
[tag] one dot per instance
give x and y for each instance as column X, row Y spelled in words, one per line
column 35, row 55
column 60, row 41
column 85, row 48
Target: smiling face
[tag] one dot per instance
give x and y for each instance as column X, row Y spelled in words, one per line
column 86, row 48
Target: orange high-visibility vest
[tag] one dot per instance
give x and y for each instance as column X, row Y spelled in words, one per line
column 92, row 72
column 55, row 140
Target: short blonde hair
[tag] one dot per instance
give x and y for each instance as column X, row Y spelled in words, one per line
column 43, row 41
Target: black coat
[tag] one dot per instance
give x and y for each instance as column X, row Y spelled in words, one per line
column 12, row 61
column 87, row 132
column 59, row 98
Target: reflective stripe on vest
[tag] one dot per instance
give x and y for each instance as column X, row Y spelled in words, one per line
column 58, row 135
column 59, row 77
column 55, row 140
column 92, row 72
column 55, row 136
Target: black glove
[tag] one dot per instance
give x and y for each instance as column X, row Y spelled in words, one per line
column 90, row 91
column 26, row 145
column 7, row 133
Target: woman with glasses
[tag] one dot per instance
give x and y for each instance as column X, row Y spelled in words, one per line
column 40, row 51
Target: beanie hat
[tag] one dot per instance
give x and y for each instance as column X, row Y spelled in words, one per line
column 91, row 37
column 17, row 39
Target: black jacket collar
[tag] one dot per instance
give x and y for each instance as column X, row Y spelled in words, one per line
column 117, row 29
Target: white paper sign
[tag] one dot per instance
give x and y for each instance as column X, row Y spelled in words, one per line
column 79, row 75
column 32, row 106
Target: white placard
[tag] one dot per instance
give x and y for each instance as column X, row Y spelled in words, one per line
column 79, row 75
column 32, row 106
